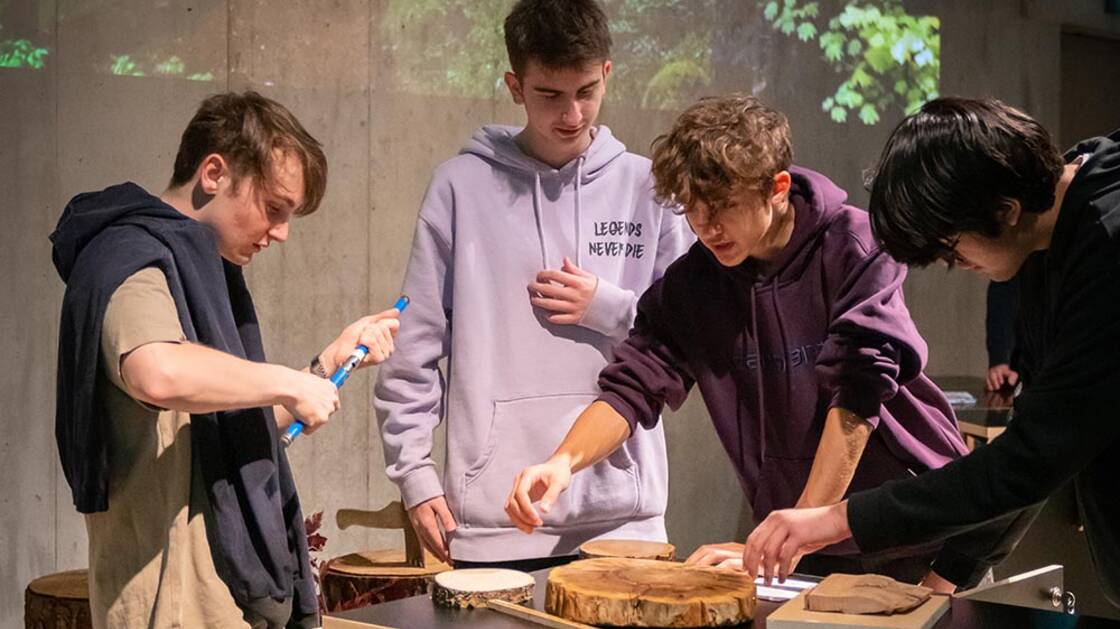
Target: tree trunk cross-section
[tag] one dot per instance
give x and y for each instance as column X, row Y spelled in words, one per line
column 631, row 549
column 58, row 601
column 473, row 587
column 647, row 593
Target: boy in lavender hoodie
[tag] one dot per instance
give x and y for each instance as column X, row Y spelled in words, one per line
column 792, row 323
column 530, row 250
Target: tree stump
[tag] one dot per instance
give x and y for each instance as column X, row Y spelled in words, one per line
column 371, row 577
column 628, row 549
column 646, row 593
column 473, row 587
column 58, row 601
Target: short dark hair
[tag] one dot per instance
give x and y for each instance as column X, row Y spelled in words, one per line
column 557, row 33
column 246, row 129
column 951, row 168
column 719, row 147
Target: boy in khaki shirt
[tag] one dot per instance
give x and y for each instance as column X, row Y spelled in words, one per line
column 168, row 413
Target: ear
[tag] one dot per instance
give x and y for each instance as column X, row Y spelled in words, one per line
column 515, row 89
column 1010, row 211
column 779, row 191
column 213, row 174
column 607, row 67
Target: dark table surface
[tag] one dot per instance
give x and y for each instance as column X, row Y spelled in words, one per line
column 418, row 612
column 992, row 408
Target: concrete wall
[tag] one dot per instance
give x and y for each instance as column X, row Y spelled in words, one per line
column 68, row 129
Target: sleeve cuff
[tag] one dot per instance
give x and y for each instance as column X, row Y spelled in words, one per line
column 422, row 484
column 864, row 402
column 961, row 570
column 865, row 523
column 611, row 310
column 620, row 406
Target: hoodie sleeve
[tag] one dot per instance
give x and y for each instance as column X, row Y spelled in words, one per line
column 646, row 372
column 409, row 391
column 872, row 345
column 613, row 308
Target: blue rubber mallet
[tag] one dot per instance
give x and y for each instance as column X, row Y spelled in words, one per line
column 338, row 378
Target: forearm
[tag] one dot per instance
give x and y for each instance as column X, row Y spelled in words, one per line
column 838, row 453
column 598, row 431
column 197, row 379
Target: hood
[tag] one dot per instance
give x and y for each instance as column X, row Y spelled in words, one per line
column 497, row 144
column 816, row 199
column 90, row 213
column 1096, row 183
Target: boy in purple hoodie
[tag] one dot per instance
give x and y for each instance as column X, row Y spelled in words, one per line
column 531, row 249
column 792, row 323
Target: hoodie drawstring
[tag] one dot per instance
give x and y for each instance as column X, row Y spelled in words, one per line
column 579, row 192
column 786, row 357
column 537, row 215
column 759, row 383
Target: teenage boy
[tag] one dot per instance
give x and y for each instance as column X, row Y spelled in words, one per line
column 793, row 325
column 167, row 413
column 979, row 184
column 530, row 250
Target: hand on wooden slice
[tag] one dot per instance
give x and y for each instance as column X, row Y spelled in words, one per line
column 647, row 593
column 473, row 587
column 627, row 548
column 865, row 594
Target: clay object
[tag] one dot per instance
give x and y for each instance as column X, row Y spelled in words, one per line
column 629, row 548
column 865, row 594
column 473, row 587
column 648, row 593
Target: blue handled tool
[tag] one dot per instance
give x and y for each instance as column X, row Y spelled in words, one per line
column 339, row 377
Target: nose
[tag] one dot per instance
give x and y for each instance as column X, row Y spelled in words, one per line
column 572, row 115
column 279, row 233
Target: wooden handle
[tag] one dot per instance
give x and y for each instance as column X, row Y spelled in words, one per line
column 532, row 615
column 391, row 516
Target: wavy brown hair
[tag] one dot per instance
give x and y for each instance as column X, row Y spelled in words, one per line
column 247, row 129
column 718, row 147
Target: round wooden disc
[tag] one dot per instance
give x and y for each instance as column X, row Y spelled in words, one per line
column 627, row 548
column 646, row 593
column 473, row 587
column 384, row 563
column 72, row 584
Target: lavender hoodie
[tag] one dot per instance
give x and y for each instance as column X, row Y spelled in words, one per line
column 829, row 321
column 491, row 220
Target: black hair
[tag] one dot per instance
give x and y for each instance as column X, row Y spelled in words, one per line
column 559, row 34
column 951, row 168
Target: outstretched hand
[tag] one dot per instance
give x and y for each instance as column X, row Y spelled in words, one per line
column 775, row 546
column 542, row 482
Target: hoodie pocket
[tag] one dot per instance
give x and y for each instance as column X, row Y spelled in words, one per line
column 526, row 431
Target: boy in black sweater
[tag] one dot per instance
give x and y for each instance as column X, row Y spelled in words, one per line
column 980, row 185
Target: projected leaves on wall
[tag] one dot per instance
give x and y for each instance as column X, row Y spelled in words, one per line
column 889, row 58
column 885, row 57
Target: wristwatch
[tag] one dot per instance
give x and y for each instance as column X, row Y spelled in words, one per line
column 317, row 368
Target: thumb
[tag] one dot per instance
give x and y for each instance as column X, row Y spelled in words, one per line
column 445, row 518
column 551, row 494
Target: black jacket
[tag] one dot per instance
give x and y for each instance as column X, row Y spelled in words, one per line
column 1067, row 420
column 255, row 525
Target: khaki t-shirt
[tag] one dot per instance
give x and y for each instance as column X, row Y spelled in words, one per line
column 150, row 563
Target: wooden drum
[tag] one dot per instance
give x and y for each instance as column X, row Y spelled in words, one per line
column 58, row 601
column 375, row 576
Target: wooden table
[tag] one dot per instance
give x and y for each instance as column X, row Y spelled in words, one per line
column 418, row 611
column 987, row 417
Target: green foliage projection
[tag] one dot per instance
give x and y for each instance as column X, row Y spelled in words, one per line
column 21, row 53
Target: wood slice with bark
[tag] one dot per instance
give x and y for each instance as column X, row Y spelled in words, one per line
column 473, row 587
column 627, row 548
column 375, row 576
column 58, row 601
column 648, row 593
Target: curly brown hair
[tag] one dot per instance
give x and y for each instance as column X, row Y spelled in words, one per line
column 719, row 147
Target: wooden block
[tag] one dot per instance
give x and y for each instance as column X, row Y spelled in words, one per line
column 628, row 548
column 647, row 593
column 474, row 587
column 794, row 615
column 537, row 617
column 865, row 594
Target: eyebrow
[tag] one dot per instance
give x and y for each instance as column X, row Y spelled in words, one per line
column 548, row 90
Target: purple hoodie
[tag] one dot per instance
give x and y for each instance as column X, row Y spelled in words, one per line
column 828, row 318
